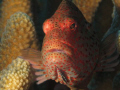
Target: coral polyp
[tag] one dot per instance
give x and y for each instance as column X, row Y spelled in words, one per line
column 17, row 76
column 10, row 7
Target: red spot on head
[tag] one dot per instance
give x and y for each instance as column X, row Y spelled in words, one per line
column 48, row 25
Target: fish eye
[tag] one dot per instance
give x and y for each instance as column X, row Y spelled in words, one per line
column 73, row 26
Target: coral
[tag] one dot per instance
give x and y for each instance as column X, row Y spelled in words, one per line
column 87, row 7
column 116, row 3
column 9, row 7
column 103, row 19
column 19, row 34
column 116, row 7
column 17, row 76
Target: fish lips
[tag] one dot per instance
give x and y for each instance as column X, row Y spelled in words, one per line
column 57, row 50
column 58, row 45
column 58, row 54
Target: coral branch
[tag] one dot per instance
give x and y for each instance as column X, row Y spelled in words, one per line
column 88, row 7
column 10, row 7
column 17, row 76
column 19, row 34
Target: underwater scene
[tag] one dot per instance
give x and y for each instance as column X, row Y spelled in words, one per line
column 59, row 44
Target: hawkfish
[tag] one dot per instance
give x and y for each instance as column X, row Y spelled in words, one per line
column 71, row 51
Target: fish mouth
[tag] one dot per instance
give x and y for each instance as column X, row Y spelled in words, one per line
column 55, row 50
column 69, row 50
column 58, row 50
column 65, row 52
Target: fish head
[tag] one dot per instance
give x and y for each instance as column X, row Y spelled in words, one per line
column 63, row 51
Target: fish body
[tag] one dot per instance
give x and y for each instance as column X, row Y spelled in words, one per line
column 69, row 47
column 71, row 51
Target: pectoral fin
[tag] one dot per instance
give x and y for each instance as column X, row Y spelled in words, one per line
column 109, row 54
column 33, row 56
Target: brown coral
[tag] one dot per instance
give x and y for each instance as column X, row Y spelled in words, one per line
column 116, row 3
column 9, row 7
column 17, row 76
column 19, row 34
column 87, row 7
column 103, row 19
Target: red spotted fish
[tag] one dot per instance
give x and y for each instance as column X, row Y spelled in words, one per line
column 71, row 51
